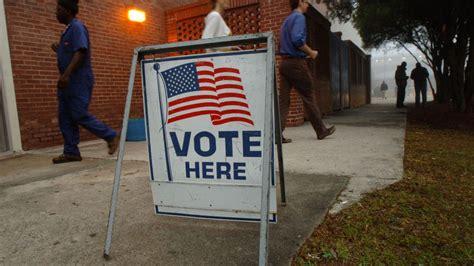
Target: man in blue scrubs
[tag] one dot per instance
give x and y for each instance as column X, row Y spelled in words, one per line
column 75, row 85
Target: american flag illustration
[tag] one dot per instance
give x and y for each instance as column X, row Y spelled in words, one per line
column 199, row 88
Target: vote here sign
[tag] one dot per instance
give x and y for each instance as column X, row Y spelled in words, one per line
column 205, row 119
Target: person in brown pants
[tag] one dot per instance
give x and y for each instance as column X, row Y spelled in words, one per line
column 294, row 70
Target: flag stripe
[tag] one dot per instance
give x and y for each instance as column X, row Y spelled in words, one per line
column 206, row 80
column 231, row 95
column 205, row 64
column 193, row 114
column 205, row 73
column 226, row 69
column 229, row 86
column 208, row 88
column 235, row 111
column 193, row 106
column 234, row 119
column 191, row 98
column 228, row 78
column 229, row 103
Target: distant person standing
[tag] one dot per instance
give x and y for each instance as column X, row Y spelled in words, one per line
column 215, row 25
column 401, row 80
column 384, row 89
column 420, row 77
column 75, row 85
column 294, row 70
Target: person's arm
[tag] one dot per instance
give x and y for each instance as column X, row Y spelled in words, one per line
column 298, row 37
column 80, row 47
column 76, row 61
column 310, row 52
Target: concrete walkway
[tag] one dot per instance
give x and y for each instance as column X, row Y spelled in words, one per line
column 368, row 147
column 57, row 214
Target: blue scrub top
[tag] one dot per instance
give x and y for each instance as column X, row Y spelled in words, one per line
column 75, row 38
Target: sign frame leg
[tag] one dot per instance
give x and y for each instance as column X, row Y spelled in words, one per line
column 279, row 142
column 121, row 153
column 268, row 142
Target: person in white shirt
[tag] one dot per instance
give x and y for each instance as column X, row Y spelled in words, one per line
column 215, row 25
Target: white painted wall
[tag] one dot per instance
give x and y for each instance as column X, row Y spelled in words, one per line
column 9, row 99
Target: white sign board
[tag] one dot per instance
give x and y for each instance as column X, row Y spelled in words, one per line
column 205, row 120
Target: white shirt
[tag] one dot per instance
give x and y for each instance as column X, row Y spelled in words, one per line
column 215, row 26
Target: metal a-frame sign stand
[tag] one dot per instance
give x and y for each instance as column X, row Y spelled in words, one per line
column 270, row 95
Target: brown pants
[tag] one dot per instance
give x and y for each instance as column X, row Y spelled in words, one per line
column 295, row 73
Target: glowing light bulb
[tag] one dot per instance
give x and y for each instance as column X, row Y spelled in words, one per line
column 136, row 15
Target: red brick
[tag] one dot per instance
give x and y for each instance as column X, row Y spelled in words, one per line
column 32, row 28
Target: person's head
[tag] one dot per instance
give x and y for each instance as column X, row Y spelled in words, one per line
column 220, row 4
column 66, row 10
column 404, row 64
column 418, row 65
column 302, row 5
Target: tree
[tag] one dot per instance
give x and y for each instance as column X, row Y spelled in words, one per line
column 441, row 30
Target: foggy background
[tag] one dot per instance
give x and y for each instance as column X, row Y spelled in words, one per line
column 384, row 60
column 384, row 64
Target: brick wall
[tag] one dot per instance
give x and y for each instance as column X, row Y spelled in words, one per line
column 32, row 28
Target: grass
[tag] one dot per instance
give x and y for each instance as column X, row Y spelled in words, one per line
column 427, row 218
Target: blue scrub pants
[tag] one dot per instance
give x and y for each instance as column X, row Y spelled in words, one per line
column 72, row 112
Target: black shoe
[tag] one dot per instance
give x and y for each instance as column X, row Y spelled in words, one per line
column 112, row 145
column 285, row 140
column 64, row 158
column 327, row 133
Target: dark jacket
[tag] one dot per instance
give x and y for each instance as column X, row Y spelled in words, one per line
column 420, row 75
column 401, row 76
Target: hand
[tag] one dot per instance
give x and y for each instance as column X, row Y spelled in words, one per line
column 313, row 54
column 55, row 46
column 63, row 82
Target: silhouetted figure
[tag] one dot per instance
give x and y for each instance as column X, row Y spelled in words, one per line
column 384, row 89
column 401, row 80
column 420, row 76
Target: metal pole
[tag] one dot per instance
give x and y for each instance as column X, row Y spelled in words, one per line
column 279, row 143
column 163, row 121
column 121, row 153
column 268, row 142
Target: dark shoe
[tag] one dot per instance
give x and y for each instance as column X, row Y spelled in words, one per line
column 113, row 144
column 285, row 140
column 64, row 158
column 327, row 133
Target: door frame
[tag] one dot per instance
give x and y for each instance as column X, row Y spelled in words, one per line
column 9, row 98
